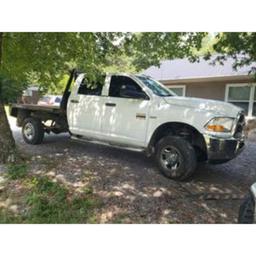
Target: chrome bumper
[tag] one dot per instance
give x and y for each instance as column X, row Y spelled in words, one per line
column 222, row 150
column 253, row 191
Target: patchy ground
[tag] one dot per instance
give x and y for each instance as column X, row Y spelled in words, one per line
column 132, row 190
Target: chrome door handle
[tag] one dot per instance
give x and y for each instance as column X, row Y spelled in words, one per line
column 74, row 101
column 108, row 104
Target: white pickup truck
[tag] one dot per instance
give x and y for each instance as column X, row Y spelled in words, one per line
column 138, row 113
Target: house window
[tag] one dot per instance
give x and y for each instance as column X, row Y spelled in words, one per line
column 242, row 95
column 180, row 90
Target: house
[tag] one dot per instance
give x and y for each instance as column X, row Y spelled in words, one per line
column 202, row 80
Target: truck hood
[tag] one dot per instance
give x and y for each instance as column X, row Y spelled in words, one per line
column 214, row 106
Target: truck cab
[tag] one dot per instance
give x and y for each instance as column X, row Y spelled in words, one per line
column 138, row 113
column 118, row 110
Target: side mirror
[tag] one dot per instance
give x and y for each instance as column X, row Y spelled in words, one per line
column 133, row 94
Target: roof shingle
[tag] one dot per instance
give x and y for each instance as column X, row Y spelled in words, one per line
column 183, row 69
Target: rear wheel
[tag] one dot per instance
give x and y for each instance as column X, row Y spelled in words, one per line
column 247, row 210
column 33, row 131
column 175, row 157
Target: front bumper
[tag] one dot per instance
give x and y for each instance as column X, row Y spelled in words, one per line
column 222, row 150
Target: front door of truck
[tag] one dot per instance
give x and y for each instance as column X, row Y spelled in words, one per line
column 125, row 112
column 85, row 108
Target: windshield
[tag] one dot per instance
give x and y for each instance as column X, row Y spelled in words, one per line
column 156, row 87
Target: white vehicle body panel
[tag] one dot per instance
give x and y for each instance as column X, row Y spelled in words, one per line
column 124, row 123
column 84, row 113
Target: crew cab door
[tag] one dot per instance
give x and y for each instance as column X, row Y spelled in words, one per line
column 126, row 112
column 85, row 108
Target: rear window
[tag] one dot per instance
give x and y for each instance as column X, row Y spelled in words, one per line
column 91, row 88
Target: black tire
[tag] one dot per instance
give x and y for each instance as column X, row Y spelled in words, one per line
column 186, row 160
column 37, row 131
column 247, row 210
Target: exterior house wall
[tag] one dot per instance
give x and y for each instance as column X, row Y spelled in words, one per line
column 208, row 89
column 212, row 90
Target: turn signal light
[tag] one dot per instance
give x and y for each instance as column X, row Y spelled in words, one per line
column 216, row 128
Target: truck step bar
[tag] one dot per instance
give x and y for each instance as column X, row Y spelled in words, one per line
column 83, row 139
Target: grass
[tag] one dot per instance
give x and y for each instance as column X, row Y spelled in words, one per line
column 50, row 202
column 7, row 217
column 17, row 171
column 42, row 200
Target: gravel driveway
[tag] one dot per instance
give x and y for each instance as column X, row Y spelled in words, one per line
column 132, row 189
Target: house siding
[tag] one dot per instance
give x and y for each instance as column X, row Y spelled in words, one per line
column 207, row 89
column 212, row 90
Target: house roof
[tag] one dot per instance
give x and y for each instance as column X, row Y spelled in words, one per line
column 184, row 69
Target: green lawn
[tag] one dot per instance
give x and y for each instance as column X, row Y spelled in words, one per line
column 30, row 198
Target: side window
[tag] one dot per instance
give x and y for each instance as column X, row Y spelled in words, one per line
column 125, row 87
column 93, row 88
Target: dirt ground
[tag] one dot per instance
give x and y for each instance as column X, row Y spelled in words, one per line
column 133, row 191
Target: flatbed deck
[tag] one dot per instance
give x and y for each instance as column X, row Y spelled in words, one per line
column 35, row 107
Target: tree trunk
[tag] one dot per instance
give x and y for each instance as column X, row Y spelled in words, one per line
column 1, row 48
column 7, row 143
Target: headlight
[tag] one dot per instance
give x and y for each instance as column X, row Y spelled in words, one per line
column 220, row 124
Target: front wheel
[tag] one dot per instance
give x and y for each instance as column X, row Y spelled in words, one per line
column 33, row 131
column 175, row 157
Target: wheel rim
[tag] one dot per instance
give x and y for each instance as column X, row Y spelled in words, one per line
column 29, row 131
column 170, row 158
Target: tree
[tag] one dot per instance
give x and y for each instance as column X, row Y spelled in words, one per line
column 241, row 46
column 150, row 48
column 7, row 144
column 46, row 57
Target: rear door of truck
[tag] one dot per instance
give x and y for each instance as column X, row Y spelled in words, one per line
column 85, row 109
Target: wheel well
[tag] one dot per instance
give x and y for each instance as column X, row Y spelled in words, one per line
column 22, row 114
column 183, row 130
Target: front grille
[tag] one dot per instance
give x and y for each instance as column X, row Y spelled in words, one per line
column 240, row 126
